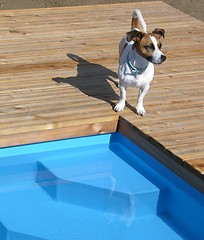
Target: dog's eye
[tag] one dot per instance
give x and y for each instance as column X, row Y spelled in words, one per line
column 149, row 47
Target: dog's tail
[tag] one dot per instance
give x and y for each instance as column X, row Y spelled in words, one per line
column 138, row 21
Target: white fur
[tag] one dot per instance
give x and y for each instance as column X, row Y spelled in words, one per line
column 127, row 79
column 128, row 58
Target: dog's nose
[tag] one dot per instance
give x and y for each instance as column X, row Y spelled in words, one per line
column 163, row 58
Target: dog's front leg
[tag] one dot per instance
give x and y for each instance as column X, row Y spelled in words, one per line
column 121, row 103
column 142, row 92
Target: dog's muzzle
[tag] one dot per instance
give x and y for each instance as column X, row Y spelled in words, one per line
column 157, row 60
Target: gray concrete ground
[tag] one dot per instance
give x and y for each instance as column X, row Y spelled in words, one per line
column 194, row 8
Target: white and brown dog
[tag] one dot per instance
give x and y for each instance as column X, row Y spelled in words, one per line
column 138, row 51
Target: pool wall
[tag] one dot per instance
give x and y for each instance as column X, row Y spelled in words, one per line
column 181, row 205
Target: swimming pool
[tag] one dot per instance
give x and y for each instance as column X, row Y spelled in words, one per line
column 97, row 187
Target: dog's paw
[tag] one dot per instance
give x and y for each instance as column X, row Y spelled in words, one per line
column 140, row 111
column 119, row 106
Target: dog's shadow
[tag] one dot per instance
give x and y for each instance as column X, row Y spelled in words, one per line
column 92, row 79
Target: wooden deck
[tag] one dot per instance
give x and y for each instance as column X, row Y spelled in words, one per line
column 58, row 79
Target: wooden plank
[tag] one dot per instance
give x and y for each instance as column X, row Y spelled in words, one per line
column 58, row 133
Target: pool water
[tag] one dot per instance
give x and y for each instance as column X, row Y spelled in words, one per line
column 94, row 188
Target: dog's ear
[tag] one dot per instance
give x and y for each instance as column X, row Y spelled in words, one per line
column 134, row 35
column 159, row 32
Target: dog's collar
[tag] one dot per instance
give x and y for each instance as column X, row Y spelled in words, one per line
column 134, row 70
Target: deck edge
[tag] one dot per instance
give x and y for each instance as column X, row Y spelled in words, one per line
column 159, row 152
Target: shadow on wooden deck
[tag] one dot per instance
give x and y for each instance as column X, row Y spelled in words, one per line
column 93, row 80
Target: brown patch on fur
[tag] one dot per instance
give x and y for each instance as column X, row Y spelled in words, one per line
column 159, row 33
column 135, row 23
column 144, row 46
column 134, row 35
column 143, row 43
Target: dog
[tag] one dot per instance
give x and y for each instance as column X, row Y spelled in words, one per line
column 138, row 52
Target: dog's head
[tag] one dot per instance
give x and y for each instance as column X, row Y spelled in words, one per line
column 148, row 45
